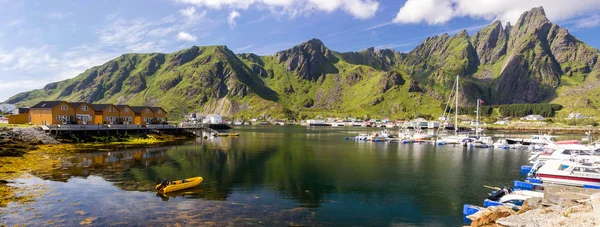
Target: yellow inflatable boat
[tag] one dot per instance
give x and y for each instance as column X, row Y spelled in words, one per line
column 171, row 186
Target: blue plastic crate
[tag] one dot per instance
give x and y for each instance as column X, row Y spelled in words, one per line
column 535, row 180
column 523, row 185
column 591, row 186
column 469, row 209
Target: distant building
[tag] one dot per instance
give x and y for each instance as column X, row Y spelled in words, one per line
column 212, row 119
column 502, row 122
column 533, row 118
column 3, row 120
column 576, row 116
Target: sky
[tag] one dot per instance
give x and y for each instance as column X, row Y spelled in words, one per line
column 47, row 41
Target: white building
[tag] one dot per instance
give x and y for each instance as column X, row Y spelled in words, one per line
column 212, row 119
column 534, row 118
column 502, row 122
column 576, row 116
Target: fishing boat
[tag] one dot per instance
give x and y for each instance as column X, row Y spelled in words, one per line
column 569, row 173
column 482, row 142
column 167, row 186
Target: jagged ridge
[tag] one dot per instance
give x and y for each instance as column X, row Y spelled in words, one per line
column 532, row 61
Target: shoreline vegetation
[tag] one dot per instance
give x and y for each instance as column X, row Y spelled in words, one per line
column 25, row 150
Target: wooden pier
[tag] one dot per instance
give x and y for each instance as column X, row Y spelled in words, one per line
column 117, row 129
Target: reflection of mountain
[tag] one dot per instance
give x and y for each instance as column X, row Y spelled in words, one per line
column 108, row 163
column 317, row 169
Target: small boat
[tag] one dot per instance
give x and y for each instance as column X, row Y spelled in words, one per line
column 501, row 144
column 361, row 136
column 482, row 142
column 420, row 135
column 170, row 186
column 507, row 197
column 569, row 173
column 227, row 134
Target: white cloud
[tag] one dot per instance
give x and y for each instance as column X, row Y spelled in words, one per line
column 5, row 58
column 588, row 22
column 358, row 8
column 231, row 19
column 441, row 11
column 184, row 36
column 190, row 13
column 244, row 48
column 59, row 15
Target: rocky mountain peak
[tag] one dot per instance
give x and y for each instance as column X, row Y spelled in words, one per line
column 490, row 42
column 534, row 18
column 462, row 34
column 310, row 59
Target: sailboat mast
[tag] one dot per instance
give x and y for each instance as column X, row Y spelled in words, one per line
column 456, row 109
column 477, row 120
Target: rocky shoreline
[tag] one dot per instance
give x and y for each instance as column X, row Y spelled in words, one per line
column 560, row 206
column 16, row 141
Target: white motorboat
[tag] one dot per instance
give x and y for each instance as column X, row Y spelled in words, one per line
column 540, row 140
column 567, row 152
column 501, row 144
column 478, row 143
column 238, row 123
column 361, row 136
column 376, row 137
column 482, row 142
column 452, row 139
column 569, row 173
column 421, row 135
column 405, row 137
column 513, row 199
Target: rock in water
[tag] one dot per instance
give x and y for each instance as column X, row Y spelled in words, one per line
column 490, row 215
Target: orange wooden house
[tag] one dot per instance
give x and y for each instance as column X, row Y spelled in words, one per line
column 126, row 114
column 22, row 117
column 160, row 115
column 143, row 115
column 52, row 112
column 106, row 114
column 84, row 113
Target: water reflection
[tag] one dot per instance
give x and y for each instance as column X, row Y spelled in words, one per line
column 328, row 180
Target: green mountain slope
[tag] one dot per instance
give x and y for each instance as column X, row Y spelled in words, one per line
column 533, row 61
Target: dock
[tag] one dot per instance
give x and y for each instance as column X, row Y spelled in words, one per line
column 117, row 129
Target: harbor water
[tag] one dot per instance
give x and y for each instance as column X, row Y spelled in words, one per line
column 269, row 175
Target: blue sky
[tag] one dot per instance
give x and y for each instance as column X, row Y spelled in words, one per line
column 46, row 41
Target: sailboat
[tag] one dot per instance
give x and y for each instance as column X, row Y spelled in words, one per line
column 456, row 138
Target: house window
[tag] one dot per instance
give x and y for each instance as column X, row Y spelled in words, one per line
column 126, row 110
column 159, row 111
column 58, row 117
column 64, row 107
column 112, row 109
column 147, row 111
column 84, row 108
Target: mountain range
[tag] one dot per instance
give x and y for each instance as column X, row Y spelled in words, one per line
column 532, row 61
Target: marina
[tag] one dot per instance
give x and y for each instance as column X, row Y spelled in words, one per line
column 300, row 175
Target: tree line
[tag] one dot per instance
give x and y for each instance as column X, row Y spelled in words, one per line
column 522, row 110
column 510, row 110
